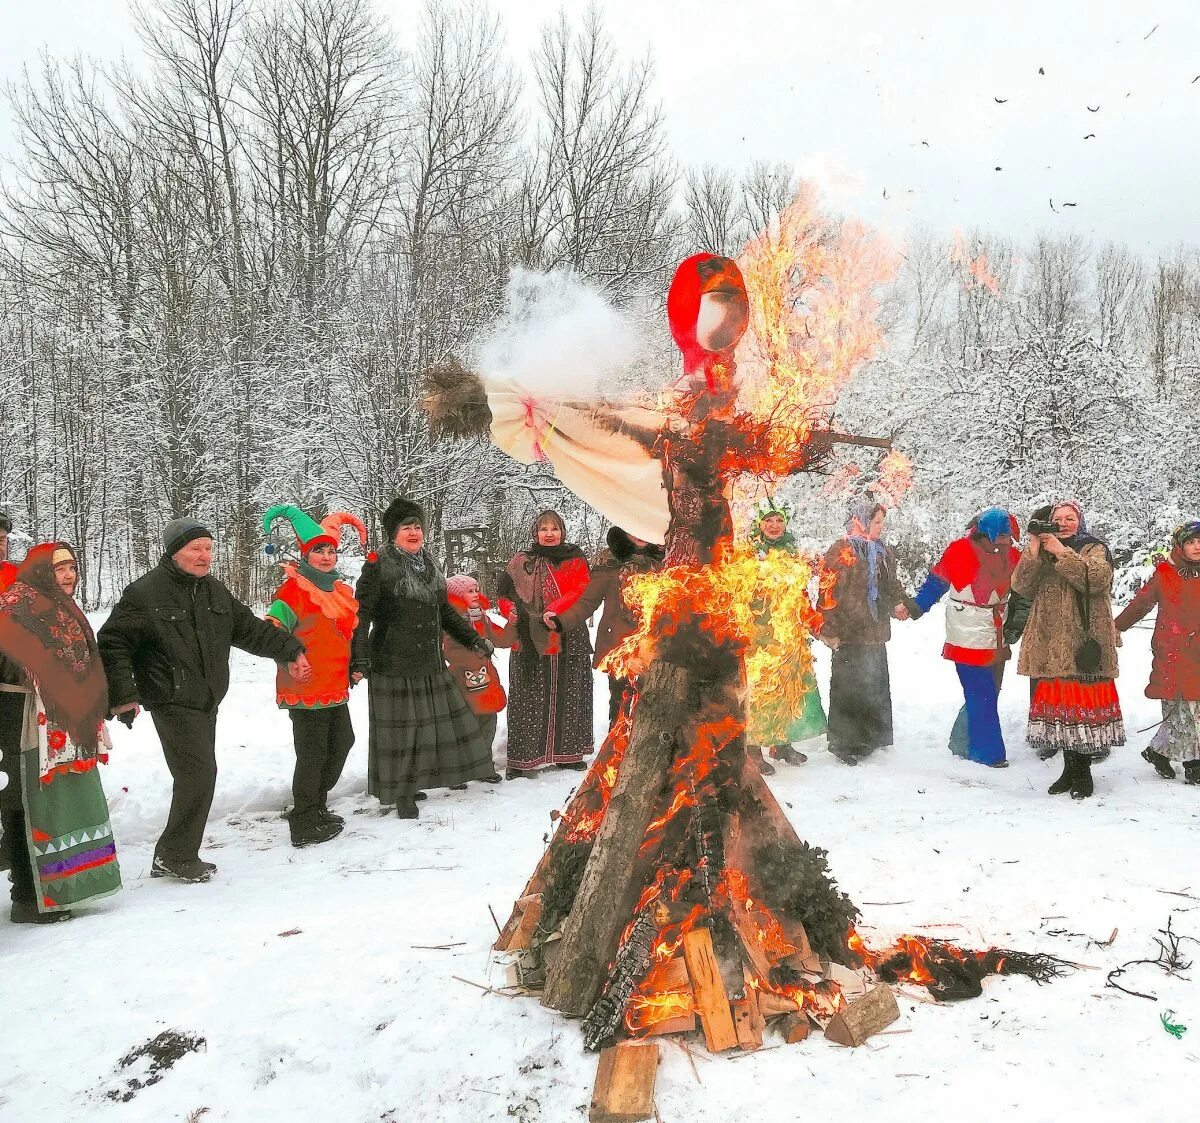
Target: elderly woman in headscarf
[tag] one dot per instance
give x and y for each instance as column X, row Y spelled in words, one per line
column 549, row 672
column 1174, row 589
column 769, row 724
column 1070, row 646
column 975, row 573
column 861, row 591
column 53, row 702
column 422, row 733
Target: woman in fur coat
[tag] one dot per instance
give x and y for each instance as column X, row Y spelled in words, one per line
column 1067, row 576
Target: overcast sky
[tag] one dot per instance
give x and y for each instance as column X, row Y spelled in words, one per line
column 870, row 96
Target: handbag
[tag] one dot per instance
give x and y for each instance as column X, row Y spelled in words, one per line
column 1087, row 654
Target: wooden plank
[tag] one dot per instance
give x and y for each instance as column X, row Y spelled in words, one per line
column 795, row 1028
column 686, row 1023
column 518, row 931
column 624, row 1089
column 712, row 1003
column 863, row 1017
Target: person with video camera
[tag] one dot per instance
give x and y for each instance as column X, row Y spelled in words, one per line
column 1069, row 644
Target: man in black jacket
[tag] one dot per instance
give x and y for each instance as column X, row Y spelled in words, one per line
column 166, row 648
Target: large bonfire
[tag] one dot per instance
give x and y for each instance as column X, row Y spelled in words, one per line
column 675, row 894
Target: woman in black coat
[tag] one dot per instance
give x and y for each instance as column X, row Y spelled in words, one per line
column 422, row 733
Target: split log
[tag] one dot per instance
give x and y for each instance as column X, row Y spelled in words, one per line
column 608, row 891
column 624, row 1089
column 795, row 1028
column 748, row 1021
column 863, row 1017
column 518, row 931
column 772, row 1004
column 712, row 1003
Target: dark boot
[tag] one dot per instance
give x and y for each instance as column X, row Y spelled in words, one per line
column 458, row 787
column 494, row 778
column 311, row 830
column 518, row 774
column 327, row 816
column 573, row 765
column 1082, row 787
column 764, row 765
column 1070, row 768
column 1161, row 765
column 844, row 755
column 191, row 870
column 1191, row 772
column 787, row 754
column 26, row 912
column 406, row 808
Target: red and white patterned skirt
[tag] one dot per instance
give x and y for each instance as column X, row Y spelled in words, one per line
column 1079, row 714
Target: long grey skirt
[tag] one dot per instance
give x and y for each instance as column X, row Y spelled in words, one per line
column 422, row 735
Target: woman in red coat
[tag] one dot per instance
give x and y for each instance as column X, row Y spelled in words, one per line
column 550, row 674
column 1175, row 675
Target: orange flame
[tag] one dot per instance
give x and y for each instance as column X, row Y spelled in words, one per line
column 975, row 271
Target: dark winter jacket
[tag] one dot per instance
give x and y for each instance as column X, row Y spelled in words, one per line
column 845, row 613
column 167, row 641
column 612, row 568
column 1175, row 588
column 400, row 636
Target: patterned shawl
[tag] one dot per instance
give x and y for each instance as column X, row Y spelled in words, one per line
column 46, row 634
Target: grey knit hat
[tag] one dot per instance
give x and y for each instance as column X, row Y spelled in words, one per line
column 179, row 532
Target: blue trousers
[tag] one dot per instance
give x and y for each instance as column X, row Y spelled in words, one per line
column 976, row 734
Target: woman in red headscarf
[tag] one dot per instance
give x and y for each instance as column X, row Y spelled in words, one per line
column 53, row 701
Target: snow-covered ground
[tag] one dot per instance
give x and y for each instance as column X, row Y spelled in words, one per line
column 358, row 1016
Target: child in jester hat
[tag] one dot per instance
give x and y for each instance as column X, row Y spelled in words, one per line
column 319, row 609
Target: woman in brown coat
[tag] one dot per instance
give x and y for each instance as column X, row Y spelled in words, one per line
column 624, row 557
column 1067, row 576
column 861, row 591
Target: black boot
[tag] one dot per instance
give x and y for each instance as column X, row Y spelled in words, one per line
column 324, row 815
column 312, row 830
column 787, row 754
column 1082, row 787
column 191, row 870
column 765, row 767
column 1161, row 765
column 406, row 808
column 1067, row 779
column 573, row 765
column 1191, row 772
column 1046, row 752
column 518, row 774
column 845, row 755
column 26, row 912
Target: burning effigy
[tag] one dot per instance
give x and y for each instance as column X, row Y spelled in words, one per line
column 675, row 895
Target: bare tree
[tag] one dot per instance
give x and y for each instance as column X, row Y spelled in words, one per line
column 598, row 196
column 714, row 218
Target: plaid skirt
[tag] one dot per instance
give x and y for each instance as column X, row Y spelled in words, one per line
column 1077, row 714
column 422, row 735
column 860, row 697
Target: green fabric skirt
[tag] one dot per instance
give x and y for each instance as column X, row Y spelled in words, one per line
column 70, row 839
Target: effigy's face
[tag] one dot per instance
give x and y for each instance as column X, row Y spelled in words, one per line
column 723, row 317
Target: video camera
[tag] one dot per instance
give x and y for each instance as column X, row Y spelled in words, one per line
column 1041, row 523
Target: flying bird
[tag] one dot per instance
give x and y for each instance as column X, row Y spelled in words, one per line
column 1089, row 136
column 1095, row 110
column 885, row 194
column 999, row 168
column 1070, row 204
column 926, row 143
column 1053, row 207
column 1000, row 100
column 1194, row 81
column 1041, row 70
column 1150, row 32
